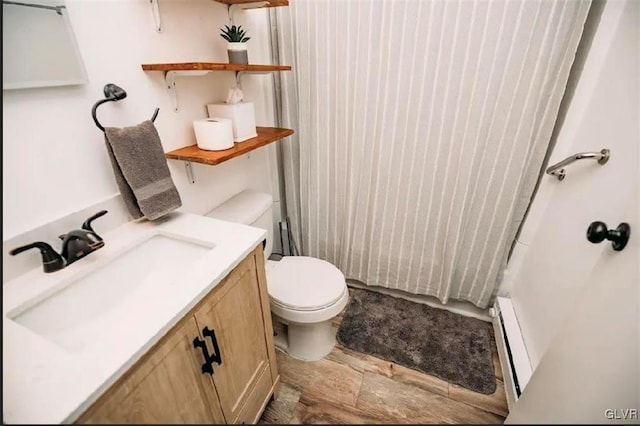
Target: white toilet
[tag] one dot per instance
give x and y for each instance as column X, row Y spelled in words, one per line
column 305, row 293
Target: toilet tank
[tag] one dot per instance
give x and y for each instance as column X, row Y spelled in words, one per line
column 249, row 208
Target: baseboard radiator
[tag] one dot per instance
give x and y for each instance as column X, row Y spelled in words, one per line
column 514, row 360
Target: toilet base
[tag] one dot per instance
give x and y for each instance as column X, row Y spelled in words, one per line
column 306, row 342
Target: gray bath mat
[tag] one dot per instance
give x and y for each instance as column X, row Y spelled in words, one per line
column 452, row 347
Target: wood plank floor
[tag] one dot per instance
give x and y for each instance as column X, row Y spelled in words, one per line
column 349, row 387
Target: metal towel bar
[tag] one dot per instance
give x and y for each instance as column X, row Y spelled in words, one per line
column 58, row 8
column 113, row 93
column 558, row 171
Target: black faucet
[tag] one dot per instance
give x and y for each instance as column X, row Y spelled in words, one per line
column 75, row 245
column 51, row 260
column 81, row 242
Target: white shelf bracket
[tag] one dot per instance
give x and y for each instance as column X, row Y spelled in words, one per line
column 240, row 74
column 189, row 170
column 170, row 79
column 231, row 10
column 157, row 17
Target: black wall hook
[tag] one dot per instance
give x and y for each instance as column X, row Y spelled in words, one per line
column 113, row 93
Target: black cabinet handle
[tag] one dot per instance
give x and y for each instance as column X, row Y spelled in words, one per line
column 209, row 359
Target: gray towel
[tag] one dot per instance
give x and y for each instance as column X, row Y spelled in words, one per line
column 141, row 170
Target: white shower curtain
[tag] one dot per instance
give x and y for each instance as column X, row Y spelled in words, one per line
column 421, row 127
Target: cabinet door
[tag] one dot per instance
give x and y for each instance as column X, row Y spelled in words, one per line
column 165, row 386
column 234, row 312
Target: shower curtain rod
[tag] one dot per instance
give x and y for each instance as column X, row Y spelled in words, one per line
column 58, row 9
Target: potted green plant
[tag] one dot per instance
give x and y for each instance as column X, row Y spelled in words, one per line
column 237, row 47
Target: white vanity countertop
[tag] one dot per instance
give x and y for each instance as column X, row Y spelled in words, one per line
column 45, row 383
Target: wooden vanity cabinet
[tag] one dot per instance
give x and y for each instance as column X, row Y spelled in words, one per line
column 168, row 385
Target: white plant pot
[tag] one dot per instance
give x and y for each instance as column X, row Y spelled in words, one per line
column 237, row 53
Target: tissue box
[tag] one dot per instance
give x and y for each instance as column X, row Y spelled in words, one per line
column 242, row 117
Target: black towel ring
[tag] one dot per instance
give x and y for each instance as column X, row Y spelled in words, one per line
column 113, row 93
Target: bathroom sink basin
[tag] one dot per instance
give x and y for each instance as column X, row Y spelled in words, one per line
column 69, row 335
column 84, row 305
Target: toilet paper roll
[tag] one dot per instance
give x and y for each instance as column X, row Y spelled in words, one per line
column 213, row 133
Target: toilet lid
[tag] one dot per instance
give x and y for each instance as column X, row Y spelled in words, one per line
column 304, row 283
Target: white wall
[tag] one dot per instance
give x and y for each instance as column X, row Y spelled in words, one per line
column 54, row 157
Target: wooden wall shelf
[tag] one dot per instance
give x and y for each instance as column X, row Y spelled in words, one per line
column 192, row 153
column 213, row 66
column 272, row 3
column 194, row 69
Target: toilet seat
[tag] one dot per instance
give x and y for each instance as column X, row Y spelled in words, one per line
column 316, row 308
column 301, row 283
